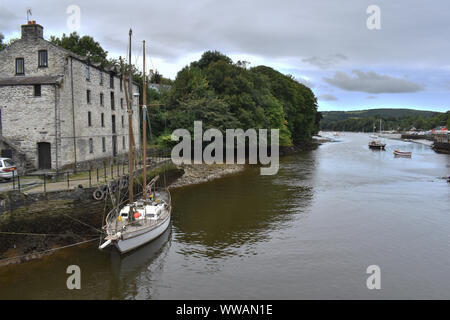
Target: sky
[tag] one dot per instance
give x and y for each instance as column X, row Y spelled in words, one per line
column 351, row 55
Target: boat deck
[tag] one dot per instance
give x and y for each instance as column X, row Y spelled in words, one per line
column 139, row 225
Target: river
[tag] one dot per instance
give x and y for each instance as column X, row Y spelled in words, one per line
column 309, row 232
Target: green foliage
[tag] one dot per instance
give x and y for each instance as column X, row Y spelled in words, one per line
column 393, row 119
column 84, row 46
column 2, row 45
column 225, row 95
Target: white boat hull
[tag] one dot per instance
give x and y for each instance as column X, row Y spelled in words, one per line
column 133, row 242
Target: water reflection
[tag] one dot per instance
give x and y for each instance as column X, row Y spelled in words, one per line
column 218, row 219
column 131, row 270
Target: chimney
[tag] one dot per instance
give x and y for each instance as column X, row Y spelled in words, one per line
column 32, row 31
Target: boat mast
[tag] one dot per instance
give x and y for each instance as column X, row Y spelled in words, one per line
column 130, row 157
column 144, row 129
column 130, row 125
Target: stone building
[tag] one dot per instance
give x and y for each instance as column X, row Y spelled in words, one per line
column 58, row 109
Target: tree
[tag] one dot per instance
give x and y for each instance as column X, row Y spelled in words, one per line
column 225, row 95
column 156, row 77
column 2, row 46
column 84, row 46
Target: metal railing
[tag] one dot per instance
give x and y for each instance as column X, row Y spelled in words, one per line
column 117, row 168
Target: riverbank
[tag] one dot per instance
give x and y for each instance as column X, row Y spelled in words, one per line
column 38, row 226
column 201, row 173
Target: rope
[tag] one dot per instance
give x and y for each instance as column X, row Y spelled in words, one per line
column 87, row 225
column 36, row 234
column 50, row 250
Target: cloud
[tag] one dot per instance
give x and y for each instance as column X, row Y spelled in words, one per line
column 306, row 82
column 371, row 97
column 372, row 82
column 328, row 97
column 325, row 62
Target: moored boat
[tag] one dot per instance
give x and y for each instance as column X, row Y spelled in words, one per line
column 399, row 153
column 134, row 223
column 377, row 145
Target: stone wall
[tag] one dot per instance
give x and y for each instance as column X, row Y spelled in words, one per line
column 62, row 110
column 27, row 120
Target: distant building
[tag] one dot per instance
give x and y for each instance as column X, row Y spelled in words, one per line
column 58, row 109
column 159, row 87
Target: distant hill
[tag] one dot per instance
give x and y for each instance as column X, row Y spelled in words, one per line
column 393, row 119
column 383, row 113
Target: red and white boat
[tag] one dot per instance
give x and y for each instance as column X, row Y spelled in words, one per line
column 399, row 153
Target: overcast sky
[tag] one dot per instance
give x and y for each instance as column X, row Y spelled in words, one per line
column 325, row 44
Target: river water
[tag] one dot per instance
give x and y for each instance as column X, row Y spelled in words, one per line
column 309, row 232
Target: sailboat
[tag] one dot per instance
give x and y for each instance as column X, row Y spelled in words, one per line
column 375, row 143
column 132, row 224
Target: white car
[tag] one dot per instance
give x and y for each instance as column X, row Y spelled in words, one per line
column 8, row 169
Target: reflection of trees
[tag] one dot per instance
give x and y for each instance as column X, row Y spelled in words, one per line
column 217, row 218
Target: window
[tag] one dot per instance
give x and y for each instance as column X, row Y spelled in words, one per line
column 122, row 122
column 9, row 163
column 103, row 119
column 101, row 99
column 42, row 58
column 101, row 78
column 112, row 101
column 111, row 81
column 20, row 66
column 103, row 144
column 91, row 145
column 37, row 90
column 123, row 142
column 121, row 103
column 88, row 96
column 120, row 82
column 113, row 124
column 89, row 119
column 87, row 73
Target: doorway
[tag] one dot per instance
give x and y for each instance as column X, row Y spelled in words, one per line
column 44, row 155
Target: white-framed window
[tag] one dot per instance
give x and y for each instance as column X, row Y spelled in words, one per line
column 87, row 73
column 91, row 145
column 20, row 66
column 42, row 58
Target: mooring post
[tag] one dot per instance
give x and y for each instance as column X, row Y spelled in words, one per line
column 14, row 182
column 97, row 176
column 68, row 181
column 104, row 170
column 90, row 184
column 45, row 185
column 18, row 181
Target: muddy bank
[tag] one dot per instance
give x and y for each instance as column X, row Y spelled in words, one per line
column 47, row 224
column 200, row 173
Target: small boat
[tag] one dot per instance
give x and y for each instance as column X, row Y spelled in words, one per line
column 399, row 153
column 377, row 145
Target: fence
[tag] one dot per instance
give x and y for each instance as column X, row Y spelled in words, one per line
column 116, row 168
